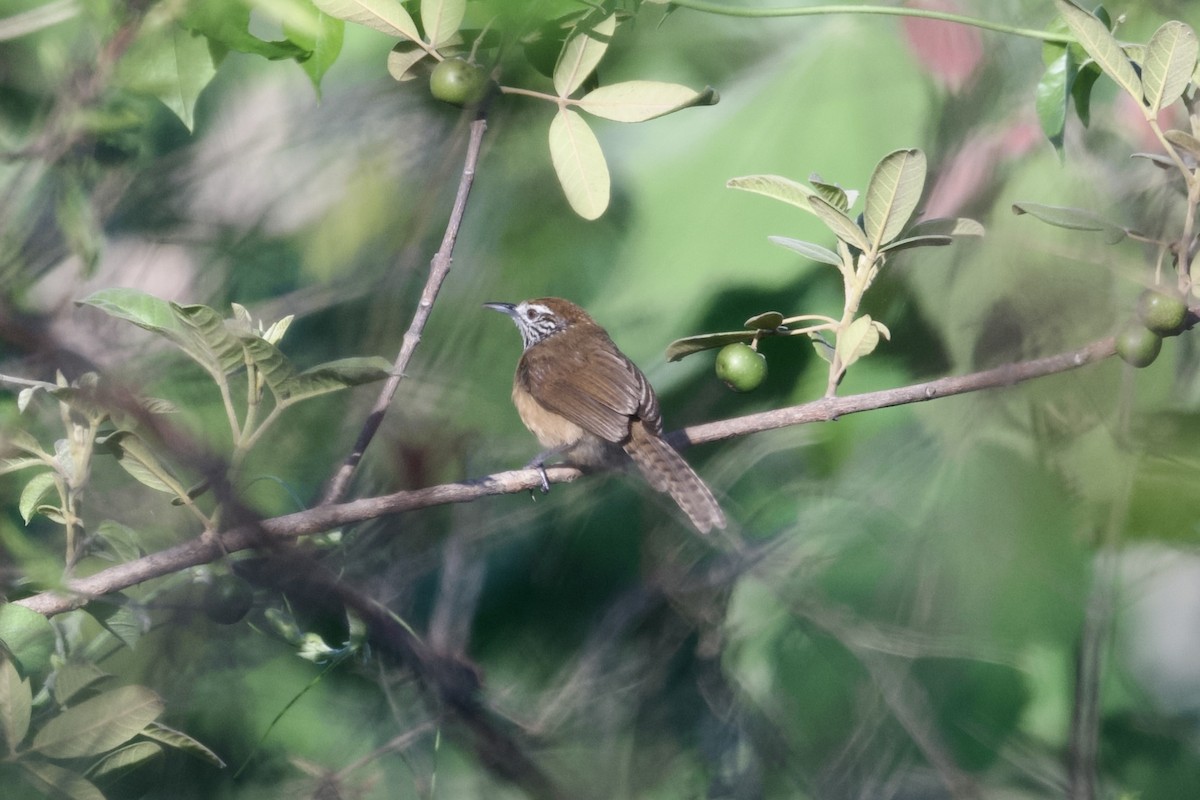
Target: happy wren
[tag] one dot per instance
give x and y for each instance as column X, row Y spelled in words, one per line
column 584, row 399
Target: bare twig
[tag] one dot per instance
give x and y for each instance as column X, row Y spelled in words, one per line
column 327, row 517
column 439, row 268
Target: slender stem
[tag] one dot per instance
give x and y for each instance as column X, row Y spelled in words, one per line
column 439, row 268
column 892, row 11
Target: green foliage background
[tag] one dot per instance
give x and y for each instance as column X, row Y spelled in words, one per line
column 924, row 571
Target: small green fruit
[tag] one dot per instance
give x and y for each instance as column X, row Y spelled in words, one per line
column 1162, row 312
column 741, row 367
column 1137, row 345
column 457, row 82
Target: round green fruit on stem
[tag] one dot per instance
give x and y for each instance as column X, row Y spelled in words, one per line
column 1162, row 312
column 1137, row 345
column 741, row 367
column 457, row 82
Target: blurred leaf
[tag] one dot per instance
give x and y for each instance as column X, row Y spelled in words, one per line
column 334, row 376
column 117, row 616
column 767, row 321
column 775, row 187
column 125, row 758
column 842, row 226
column 122, row 540
column 946, row 226
column 1081, row 90
column 181, row 741
column 579, row 163
column 8, row 465
column 57, row 782
column 809, row 250
column 892, row 195
column 1077, row 219
column 706, row 341
column 27, row 636
column 580, row 56
column 402, row 58
column 173, row 66
column 1053, row 94
column 1168, row 65
column 99, row 724
column 72, row 678
column 321, row 38
column 386, row 16
column 16, row 703
column 929, row 240
column 140, row 461
column 822, row 346
column 441, row 19
column 859, row 339
column 37, row 488
column 1184, row 141
column 78, row 221
column 226, row 23
column 637, row 101
column 1095, row 38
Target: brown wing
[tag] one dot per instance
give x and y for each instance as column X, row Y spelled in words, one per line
column 580, row 374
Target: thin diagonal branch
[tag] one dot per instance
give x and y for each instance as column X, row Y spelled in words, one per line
column 78, row 592
column 439, row 268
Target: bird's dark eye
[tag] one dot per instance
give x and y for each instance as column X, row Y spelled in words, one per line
column 530, row 314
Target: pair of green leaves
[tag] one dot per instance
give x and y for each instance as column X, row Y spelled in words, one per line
column 1168, row 64
column 101, row 728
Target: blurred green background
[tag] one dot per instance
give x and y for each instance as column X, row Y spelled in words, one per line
column 911, row 618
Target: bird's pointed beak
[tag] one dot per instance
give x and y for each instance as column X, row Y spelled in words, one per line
column 503, row 308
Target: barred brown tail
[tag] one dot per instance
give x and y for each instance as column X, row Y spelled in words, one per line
column 666, row 471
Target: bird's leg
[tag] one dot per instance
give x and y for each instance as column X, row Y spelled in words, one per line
column 539, row 463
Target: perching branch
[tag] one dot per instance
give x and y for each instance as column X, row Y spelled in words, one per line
column 78, row 592
column 439, row 268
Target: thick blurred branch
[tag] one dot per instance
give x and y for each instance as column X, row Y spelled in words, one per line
column 78, row 592
column 439, row 268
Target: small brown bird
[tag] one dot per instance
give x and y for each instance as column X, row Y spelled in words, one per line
column 582, row 398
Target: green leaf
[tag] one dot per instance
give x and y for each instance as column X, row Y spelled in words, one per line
column 99, row 724
column 53, row 781
column 766, row 321
column 211, row 342
column 815, row 252
column 892, row 195
column 1053, row 94
column 125, row 758
column 27, row 636
column 78, row 222
column 706, row 341
column 119, row 618
column 36, row 489
column 173, row 65
column 842, row 226
column 946, row 226
column 226, row 23
column 387, row 16
column 637, row 101
column 1081, row 90
column 1168, row 65
column 72, row 678
column 579, row 164
column 16, row 703
column 272, row 364
column 859, row 339
column 1076, row 219
column 929, row 240
column 402, row 58
column 144, row 310
column 835, row 195
column 322, row 37
column 1184, row 142
column 441, row 19
column 333, row 376
column 181, row 741
column 122, row 540
column 140, row 461
column 581, row 54
column 8, row 465
column 775, row 187
column 1104, row 49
